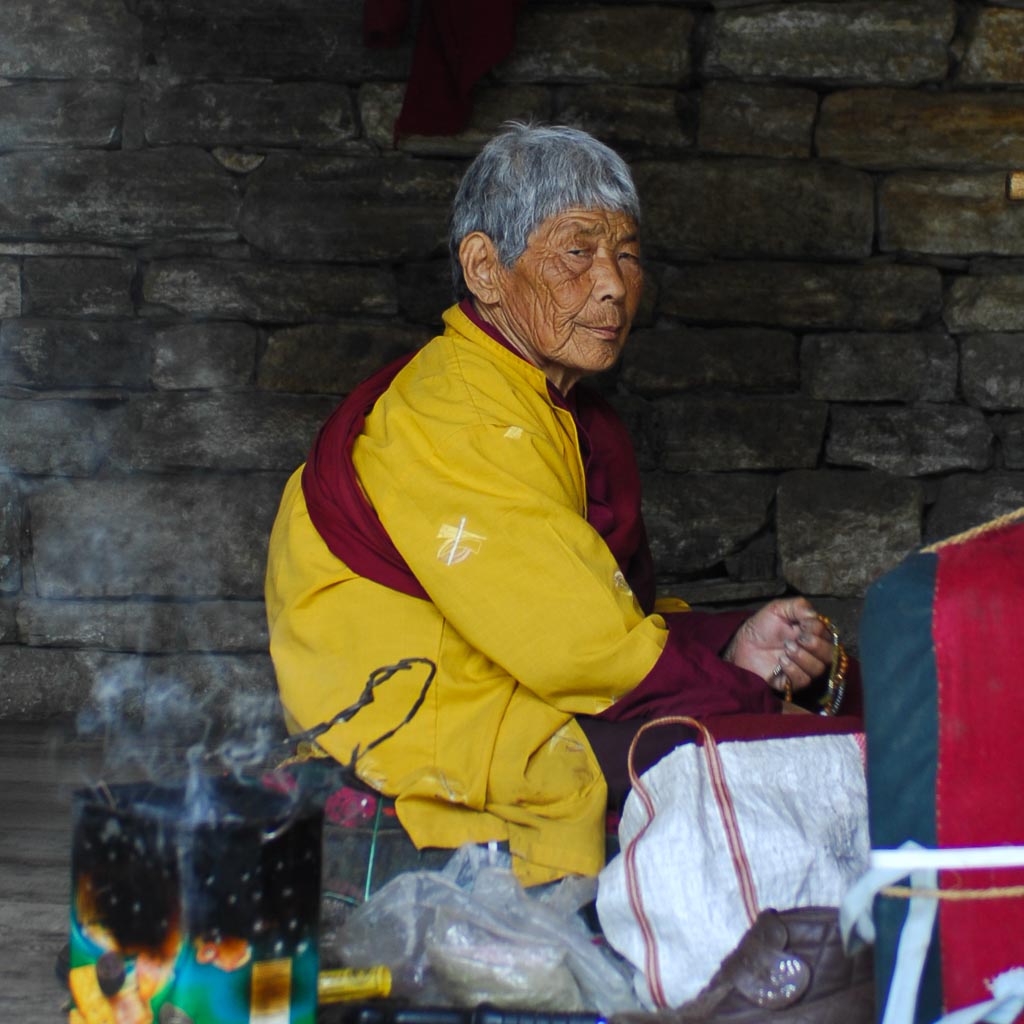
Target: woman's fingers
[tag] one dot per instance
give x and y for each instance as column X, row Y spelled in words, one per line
column 799, row 665
column 785, row 642
column 804, row 655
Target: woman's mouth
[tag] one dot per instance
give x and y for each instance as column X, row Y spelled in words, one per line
column 610, row 332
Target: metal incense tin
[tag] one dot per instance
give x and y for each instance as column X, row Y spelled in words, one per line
column 194, row 903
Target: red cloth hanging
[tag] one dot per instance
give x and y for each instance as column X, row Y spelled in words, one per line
column 458, row 42
column 979, row 798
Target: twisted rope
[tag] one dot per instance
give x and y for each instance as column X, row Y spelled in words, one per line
column 907, row 892
column 976, row 531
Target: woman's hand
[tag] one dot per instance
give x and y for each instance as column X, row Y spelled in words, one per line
column 783, row 641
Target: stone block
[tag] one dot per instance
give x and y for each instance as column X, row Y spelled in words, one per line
column 868, row 297
column 373, row 179
column 47, row 39
column 119, row 197
column 912, row 367
column 238, row 161
column 696, row 520
column 950, row 214
column 587, row 44
column 425, row 291
column 192, row 536
column 70, row 287
column 350, row 209
column 380, row 104
column 10, row 535
column 145, row 626
column 243, row 290
column 8, row 622
column 132, row 136
column 229, row 432
column 1010, row 431
column 61, row 249
column 73, row 353
column 10, row 288
column 893, row 128
column 912, row 440
column 717, row 593
column 901, row 42
column 756, row 561
column 326, row 221
column 746, row 119
column 632, row 120
column 204, row 355
column 703, row 207
column 40, row 682
column 642, row 424
column 667, row 360
column 721, row 433
column 995, row 52
column 54, row 437
column 967, row 500
column 332, row 358
column 992, row 370
column 314, row 115
column 839, row 530
column 986, row 303
column 73, row 114
column 278, row 41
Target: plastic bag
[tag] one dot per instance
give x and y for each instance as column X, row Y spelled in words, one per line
column 471, row 934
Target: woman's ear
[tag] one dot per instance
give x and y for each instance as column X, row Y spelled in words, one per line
column 480, row 266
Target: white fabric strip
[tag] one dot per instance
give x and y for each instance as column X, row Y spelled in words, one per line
column 911, row 858
column 915, row 938
column 923, row 865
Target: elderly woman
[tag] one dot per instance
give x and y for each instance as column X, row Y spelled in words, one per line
column 475, row 505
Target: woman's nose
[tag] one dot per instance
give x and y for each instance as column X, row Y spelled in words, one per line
column 608, row 279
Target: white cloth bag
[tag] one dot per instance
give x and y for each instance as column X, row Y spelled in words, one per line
column 801, row 808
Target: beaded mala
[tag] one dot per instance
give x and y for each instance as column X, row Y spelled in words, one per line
column 832, row 698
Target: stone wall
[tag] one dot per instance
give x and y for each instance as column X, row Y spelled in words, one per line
column 207, row 237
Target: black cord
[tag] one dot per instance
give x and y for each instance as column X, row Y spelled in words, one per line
column 377, row 676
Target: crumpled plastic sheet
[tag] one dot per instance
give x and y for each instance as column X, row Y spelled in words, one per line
column 472, row 934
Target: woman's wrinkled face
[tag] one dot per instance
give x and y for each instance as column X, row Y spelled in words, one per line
column 569, row 300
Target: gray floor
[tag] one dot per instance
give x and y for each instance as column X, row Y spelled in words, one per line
column 40, row 766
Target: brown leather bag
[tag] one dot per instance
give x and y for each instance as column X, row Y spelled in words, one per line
column 790, row 966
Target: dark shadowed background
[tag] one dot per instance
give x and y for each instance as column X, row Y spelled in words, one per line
column 207, row 236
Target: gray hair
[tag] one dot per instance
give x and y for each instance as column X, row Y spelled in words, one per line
column 527, row 174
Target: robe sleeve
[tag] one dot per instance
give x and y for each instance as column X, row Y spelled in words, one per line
column 488, row 518
column 690, row 677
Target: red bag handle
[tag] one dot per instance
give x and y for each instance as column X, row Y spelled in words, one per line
column 723, row 798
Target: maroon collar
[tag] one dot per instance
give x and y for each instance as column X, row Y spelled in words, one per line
column 350, row 527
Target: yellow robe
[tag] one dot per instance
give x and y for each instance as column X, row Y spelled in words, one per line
column 477, row 477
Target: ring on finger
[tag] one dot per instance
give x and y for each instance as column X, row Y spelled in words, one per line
column 781, row 683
